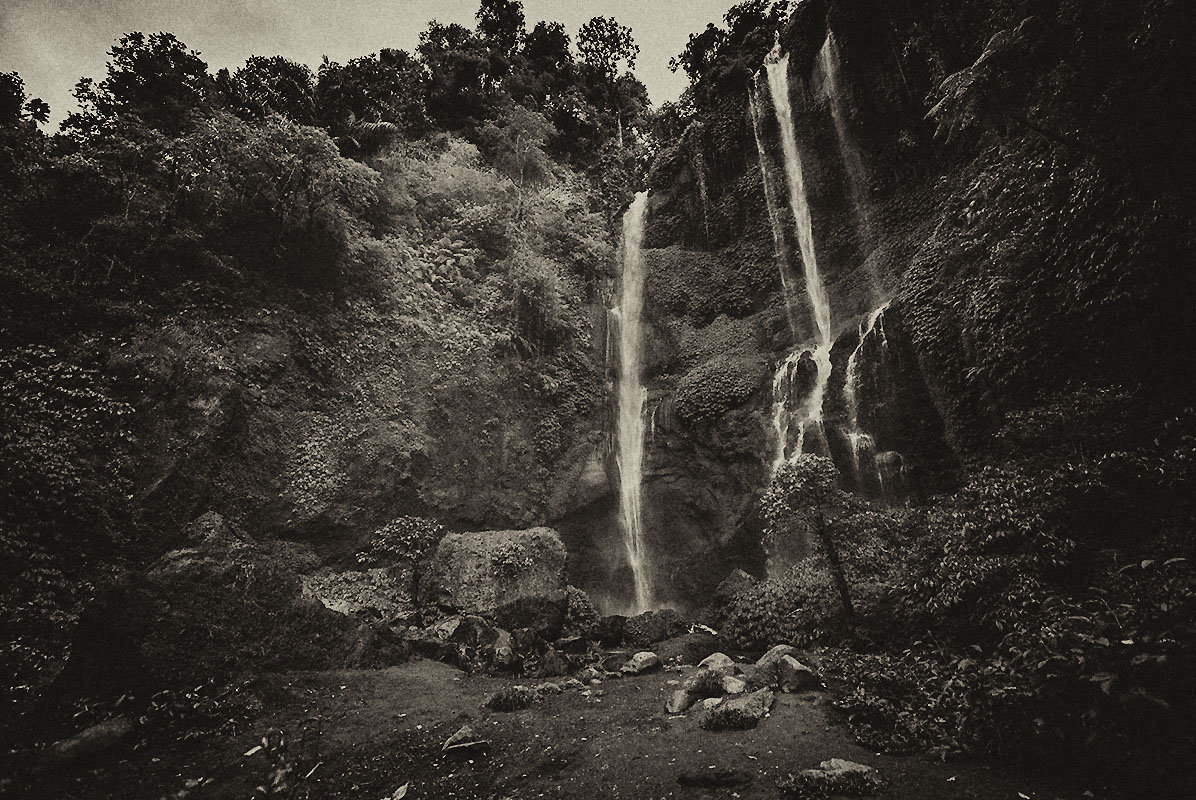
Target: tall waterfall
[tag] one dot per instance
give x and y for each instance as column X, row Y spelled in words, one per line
column 777, row 225
column 789, row 421
column 857, row 174
column 777, row 68
column 631, row 399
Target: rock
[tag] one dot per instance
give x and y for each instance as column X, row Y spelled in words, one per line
column 90, row 742
column 653, row 626
column 733, row 685
column 642, row 662
column 462, row 740
column 613, row 660
column 553, row 665
column 591, row 674
column 733, row 585
column 794, row 676
column 764, row 671
column 678, row 702
column 718, row 662
column 721, row 778
column 739, row 712
column 711, row 702
column 757, row 703
column 515, row 578
column 236, row 596
column 611, row 629
column 688, row 648
column 208, row 526
column 512, row 698
column 504, row 651
column 835, row 776
column 376, row 593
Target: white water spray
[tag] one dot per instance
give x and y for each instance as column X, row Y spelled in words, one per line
column 808, row 414
column 631, row 398
column 776, row 67
column 780, row 245
column 862, row 445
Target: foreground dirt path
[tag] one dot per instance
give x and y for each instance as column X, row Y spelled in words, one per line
column 364, row 734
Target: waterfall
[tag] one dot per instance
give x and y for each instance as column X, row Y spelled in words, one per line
column 631, row 397
column 862, row 444
column 776, row 67
column 857, row 175
column 808, row 413
column 780, row 246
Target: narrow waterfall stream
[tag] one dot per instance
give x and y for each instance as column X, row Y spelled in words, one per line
column 857, row 174
column 862, row 444
column 787, row 420
column 631, row 396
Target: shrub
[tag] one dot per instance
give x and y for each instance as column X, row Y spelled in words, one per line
column 728, row 718
column 512, row 698
column 716, row 386
column 405, row 539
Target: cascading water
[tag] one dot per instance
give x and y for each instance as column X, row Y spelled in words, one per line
column 780, row 245
column 862, row 445
column 808, row 414
column 776, row 67
column 857, row 175
column 630, row 398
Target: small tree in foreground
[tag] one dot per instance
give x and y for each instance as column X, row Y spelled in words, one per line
column 803, row 500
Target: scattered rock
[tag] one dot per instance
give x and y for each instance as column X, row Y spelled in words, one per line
column 462, row 740
column 90, row 742
column 704, row 683
column 611, row 662
column 718, row 662
column 689, row 648
column 516, row 578
column 794, row 676
column 756, row 704
column 733, row 685
column 678, row 702
column 376, row 593
column 733, row 585
column 642, row 662
column 835, row 776
column 553, row 665
column 720, row 778
column 764, row 672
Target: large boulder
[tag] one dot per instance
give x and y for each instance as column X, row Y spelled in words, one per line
column 515, row 578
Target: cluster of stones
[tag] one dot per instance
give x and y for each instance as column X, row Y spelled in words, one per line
column 724, row 689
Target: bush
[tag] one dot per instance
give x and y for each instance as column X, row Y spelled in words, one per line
column 512, row 698
column 405, row 539
column 728, row 718
column 711, row 389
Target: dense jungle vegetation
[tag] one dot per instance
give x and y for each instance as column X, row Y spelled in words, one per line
column 357, row 307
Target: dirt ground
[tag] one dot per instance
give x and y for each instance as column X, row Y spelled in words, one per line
column 365, row 734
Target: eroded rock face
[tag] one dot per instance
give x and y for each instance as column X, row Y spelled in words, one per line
column 223, row 604
column 515, row 578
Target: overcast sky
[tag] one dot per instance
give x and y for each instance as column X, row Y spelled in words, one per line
column 52, row 43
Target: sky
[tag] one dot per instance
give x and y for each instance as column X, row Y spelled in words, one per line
column 52, row 43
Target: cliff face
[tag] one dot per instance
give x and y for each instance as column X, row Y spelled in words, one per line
column 999, row 211
column 996, row 212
